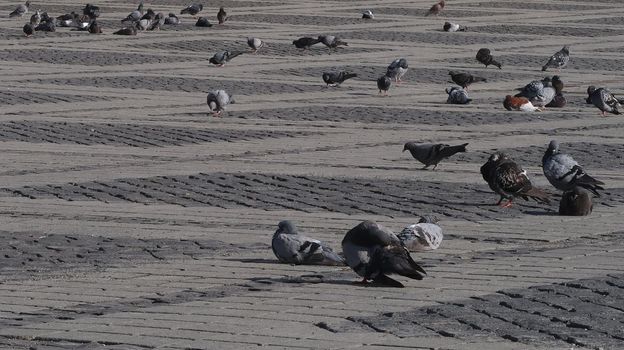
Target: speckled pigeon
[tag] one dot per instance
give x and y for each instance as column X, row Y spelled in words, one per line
column 397, row 69
column 255, row 44
column 604, row 100
column 565, row 173
column 291, row 247
column 425, row 235
column 457, row 95
column 559, row 60
column 432, row 153
column 217, row 101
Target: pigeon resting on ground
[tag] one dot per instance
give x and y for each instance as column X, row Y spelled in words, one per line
column 290, row 247
column 20, row 10
column 305, row 42
column 604, row 100
column 46, row 26
column 558, row 101
column 172, row 19
column 332, row 42
column 534, row 88
column 383, row 84
column 373, row 252
column 157, row 22
column 484, row 56
column 368, row 14
column 576, row 202
column 457, row 96
column 192, row 9
column 523, row 104
column 217, row 101
column 436, row 9
column 545, row 97
column 221, row 58
column 559, row 60
column 397, row 69
column 203, row 22
column 255, row 44
column 131, row 30
column 563, row 172
column 509, row 180
column 28, row 29
column 337, row 78
column 222, row 16
column 425, row 235
column 432, row 154
column 68, row 20
column 453, row 27
column 465, row 79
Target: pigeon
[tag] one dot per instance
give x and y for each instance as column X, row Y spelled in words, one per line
column 217, row 101
column 457, row 96
column 368, row 14
column 255, row 44
column 331, row 41
column 149, row 15
column 290, row 247
column 203, row 22
column 373, row 252
column 158, row 21
column 564, row 173
column 436, row 9
column 67, row 20
column 28, row 29
column 20, row 10
column 557, row 83
column 383, row 83
column 305, row 42
column 453, row 27
column 432, row 153
column 559, row 101
column 576, row 202
column 143, row 24
column 484, row 56
column 590, row 90
column 509, row 180
column 172, row 19
column 131, row 30
column 46, row 26
column 465, row 79
column 605, row 101
column 82, row 24
column 559, row 60
column 94, row 28
column 534, row 88
column 547, row 94
column 425, row 235
column 222, row 16
column 91, row 11
column 221, row 58
column 512, row 103
column 134, row 15
column 337, row 78
column 397, row 69
column 192, row 9
column 36, row 18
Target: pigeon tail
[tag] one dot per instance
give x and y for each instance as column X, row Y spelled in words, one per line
column 234, row 54
column 538, row 195
column 544, row 68
column 396, row 259
column 350, row 75
column 589, row 183
column 332, row 259
column 496, row 63
column 451, row 150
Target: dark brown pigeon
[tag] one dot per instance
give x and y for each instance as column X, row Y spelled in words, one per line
column 484, row 56
column 576, row 202
column 464, row 79
column 436, row 9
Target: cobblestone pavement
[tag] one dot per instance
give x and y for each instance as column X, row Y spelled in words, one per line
column 133, row 219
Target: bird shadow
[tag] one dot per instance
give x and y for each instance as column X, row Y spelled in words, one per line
column 255, row 261
column 541, row 213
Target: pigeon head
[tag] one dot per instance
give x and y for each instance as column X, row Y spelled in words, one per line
column 450, row 89
column 428, row 219
column 566, row 49
column 452, row 72
column 408, row 146
column 591, row 89
column 286, row 227
column 497, row 157
column 553, row 147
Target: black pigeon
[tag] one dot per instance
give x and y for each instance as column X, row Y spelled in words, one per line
column 67, row 20
column 509, row 180
column 28, row 29
column 47, row 26
column 484, row 56
column 131, row 30
column 305, row 42
column 383, row 83
column 576, row 202
column 559, row 60
column 91, row 11
column 172, row 19
column 337, row 78
column 203, row 22
column 150, row 15
column 374, row 252
column 368, row 14
column 222, row 16
column 192, row 9
column 432, row 154
column 221, row 58
column 464, row 79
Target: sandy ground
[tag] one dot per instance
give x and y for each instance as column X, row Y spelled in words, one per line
column 133, row 219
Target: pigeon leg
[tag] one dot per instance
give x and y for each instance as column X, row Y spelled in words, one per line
column 604, row 114
column 508, row 204
column 434, row 166
column 362, row 282
column 500, row 200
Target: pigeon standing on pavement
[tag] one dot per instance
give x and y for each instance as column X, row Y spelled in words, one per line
column 432, row 154
column 192, row 9
column 368, row 14
column 457, row 96
column 221, row 58
column 222, row 16
column 255, row 44
column 374, row 252
column 565, row 173
column 485, row 57
column 383, row 84
column 604, row 100
column 172, row 19
column 509, row 180
column 559, row 60
column 576, row 202
column 453, row 27
column 397, row 69
column 337, row 78
column 20, row 10
column 290, row 247
column 465, row 79
column 436, row 9
column 305, row 42
column 425, row 235
column 512, row 103
column 332, row 42
column 217, row 101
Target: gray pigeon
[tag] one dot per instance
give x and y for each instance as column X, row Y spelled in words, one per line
column 373, row 252
column 453, row 27
column 157, row 22
column 534, row 88
column 397, row 69
column 425, row 235
column 143, row 24
column 332, row 42
column 221, row 58
column 192, row 9
column 383, row 83
column 290, row 247
column 172, row 19
column 604, row 100
column 544, row 97
column 576, row 202
column 255, row 44
column 134, row 15
column 217, row 101
column 457, row 95
column 432, row 154
column 563, row 172
column 559, row 60
column 20, row 10
column 337, row 78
